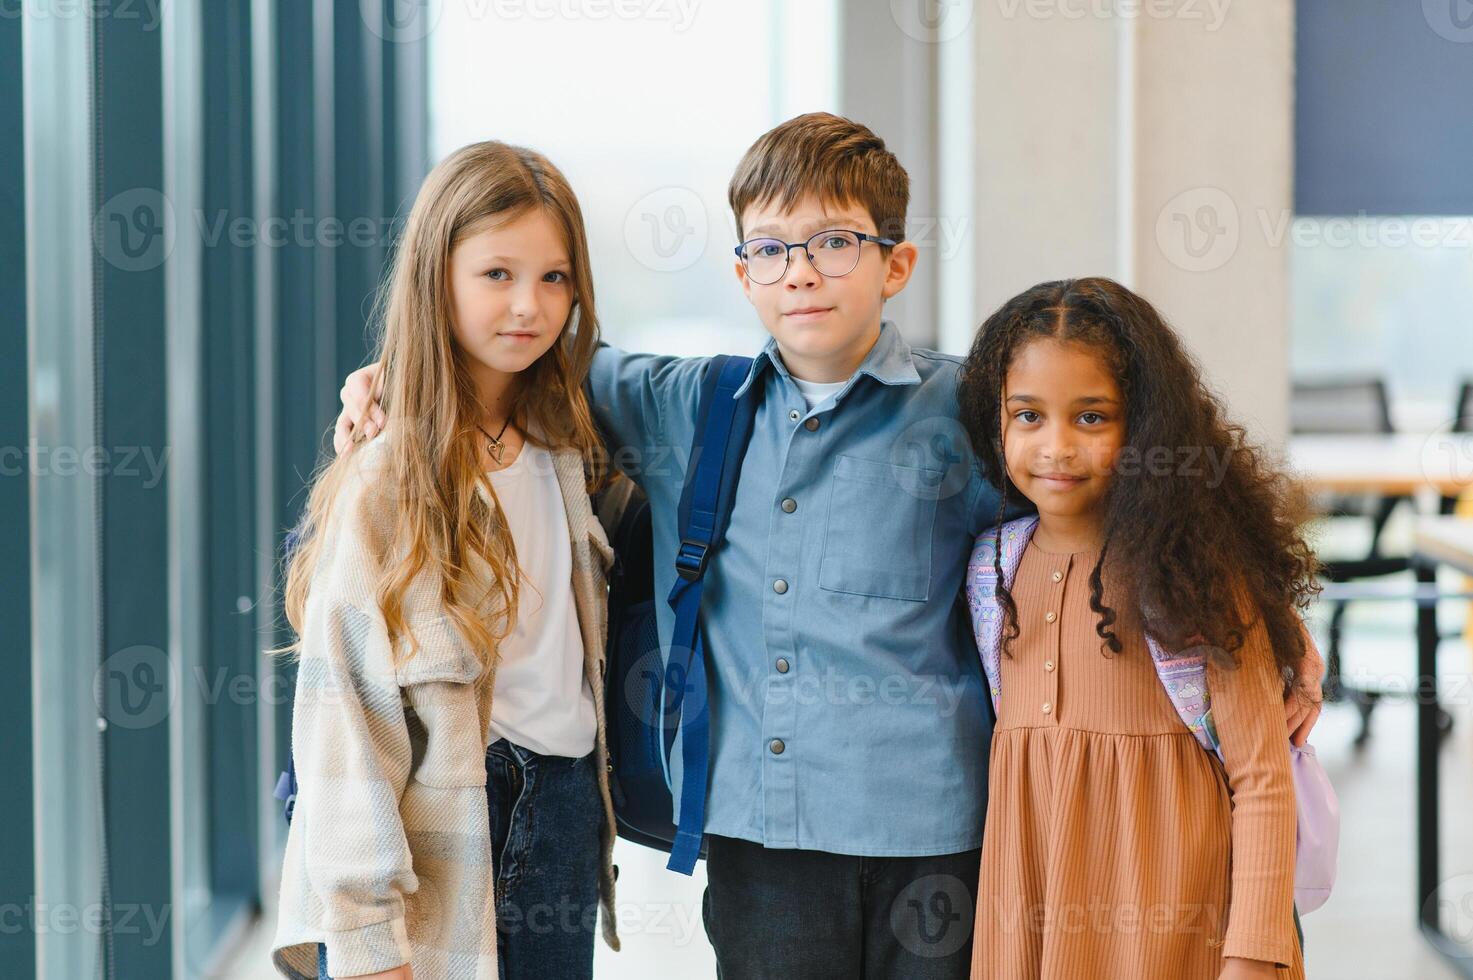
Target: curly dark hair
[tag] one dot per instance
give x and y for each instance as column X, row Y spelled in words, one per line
column 1193, row 557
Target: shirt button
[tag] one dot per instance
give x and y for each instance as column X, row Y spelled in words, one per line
column 1058, row 576
column 782, row 665
column 780, row 586
column 790, row 505
column 777, row 746
column 1049, row 617
column 1047, row 707
column 1048, row 665
column 794, row 415
column 811, row 425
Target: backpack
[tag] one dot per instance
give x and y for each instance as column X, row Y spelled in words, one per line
column 645, row 692
column 1184, row 676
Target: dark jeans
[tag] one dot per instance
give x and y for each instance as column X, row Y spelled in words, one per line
column 545, row 816
column 811, row 915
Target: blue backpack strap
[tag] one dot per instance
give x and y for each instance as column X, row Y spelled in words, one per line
column 723, row 429
column 286, row 788
column 286, row 782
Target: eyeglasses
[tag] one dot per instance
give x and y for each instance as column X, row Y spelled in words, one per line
column 832, row 253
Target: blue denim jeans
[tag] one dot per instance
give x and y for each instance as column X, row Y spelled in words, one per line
column 545, row 818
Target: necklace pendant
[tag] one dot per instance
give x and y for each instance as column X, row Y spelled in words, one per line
column 497, row 450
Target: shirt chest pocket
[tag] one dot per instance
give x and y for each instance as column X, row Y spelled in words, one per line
column 440, row 687
column 878, row 538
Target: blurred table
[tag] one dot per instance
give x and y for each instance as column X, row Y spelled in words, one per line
column 1393, row 465
column 1423, row 467
column 1437, row 541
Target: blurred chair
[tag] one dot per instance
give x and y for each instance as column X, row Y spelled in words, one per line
column 1349, row 406
column 1462, row 422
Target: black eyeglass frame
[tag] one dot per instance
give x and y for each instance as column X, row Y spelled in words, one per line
column 789, row 246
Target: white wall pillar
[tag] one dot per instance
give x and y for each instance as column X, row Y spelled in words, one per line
column 1150, row 141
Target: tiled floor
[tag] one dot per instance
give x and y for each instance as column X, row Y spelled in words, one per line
column 1367, row 931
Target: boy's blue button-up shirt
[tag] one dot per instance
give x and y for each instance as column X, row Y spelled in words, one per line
column 848, row 708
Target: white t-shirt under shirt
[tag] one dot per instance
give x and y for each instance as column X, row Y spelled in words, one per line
column 815, row 392
column 541, row 699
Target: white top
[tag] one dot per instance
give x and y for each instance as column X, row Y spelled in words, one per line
column 815, row 392
column 541, row 699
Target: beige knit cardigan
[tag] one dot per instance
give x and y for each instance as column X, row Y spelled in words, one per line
column 388, row 859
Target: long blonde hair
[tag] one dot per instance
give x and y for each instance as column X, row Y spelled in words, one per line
column 444, row 528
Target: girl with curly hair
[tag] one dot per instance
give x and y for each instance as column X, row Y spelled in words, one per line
column 1115, row 846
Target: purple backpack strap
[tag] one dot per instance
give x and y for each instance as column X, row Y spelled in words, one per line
column 1184, row 676
column 982, row 601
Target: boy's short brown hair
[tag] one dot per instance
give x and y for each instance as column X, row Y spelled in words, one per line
column 835, row 159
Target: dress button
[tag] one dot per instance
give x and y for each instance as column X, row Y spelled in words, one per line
column 1049, row 617
column 1048, row 665
column 790, row 505
column 777, row 746
column 780, row 586
column 782, row 665
column 1047, row 707
column 1058, row 576
column 794, row 415
column 811, row 425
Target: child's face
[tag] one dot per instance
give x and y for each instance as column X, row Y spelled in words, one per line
column 823, row 324
column 510, row 293
column 1063, row 426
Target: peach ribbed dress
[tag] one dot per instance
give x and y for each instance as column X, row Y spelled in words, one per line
column 1116, row 847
